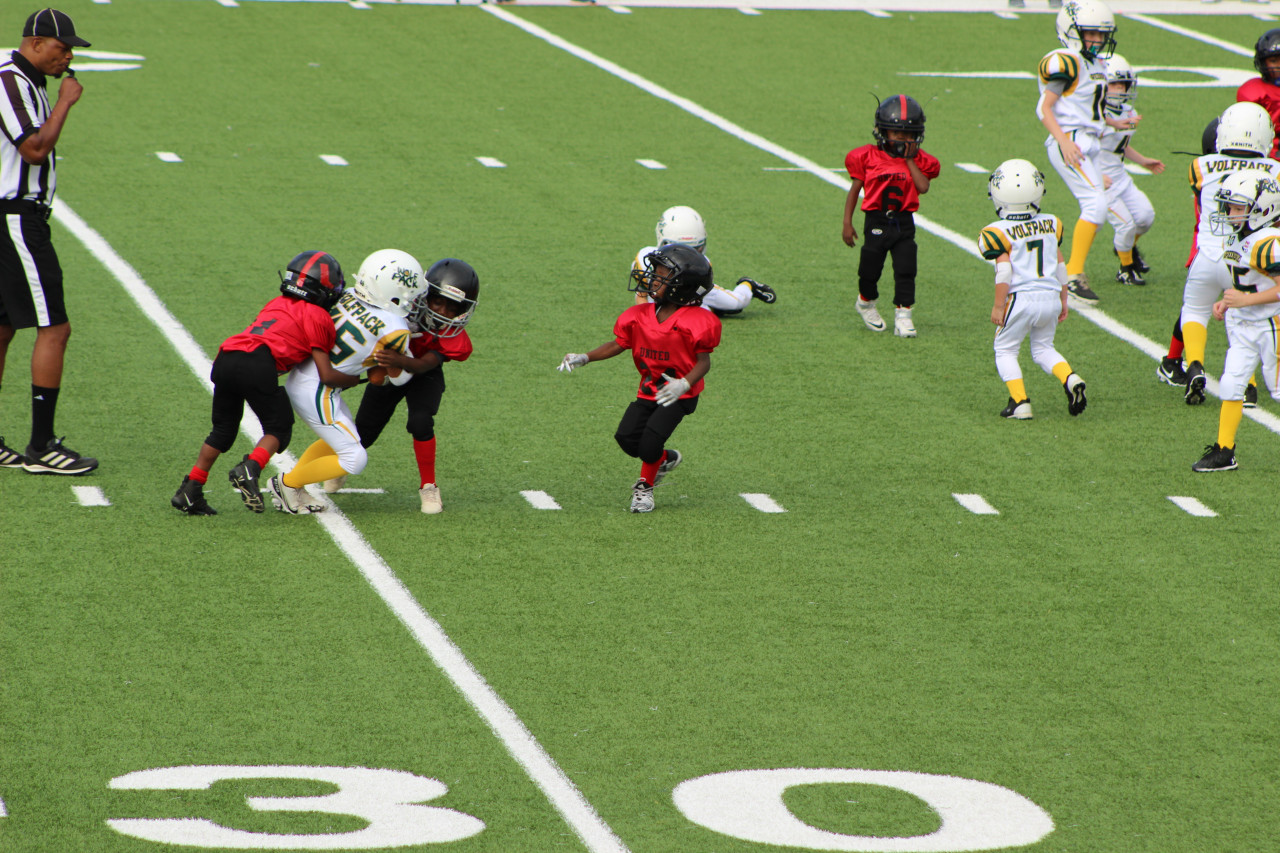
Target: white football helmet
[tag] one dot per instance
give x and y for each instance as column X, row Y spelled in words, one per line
column 1120, row 71
column 390, row 279
column 1258, row 194
column 1076, row 16
column 682, row 224
column 1015, row 188
column 1245, row 128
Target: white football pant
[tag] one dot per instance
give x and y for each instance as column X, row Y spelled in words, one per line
column 1033, row 315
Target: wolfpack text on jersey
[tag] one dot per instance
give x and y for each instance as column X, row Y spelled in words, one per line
column 1205, row 175
column 1031, row 241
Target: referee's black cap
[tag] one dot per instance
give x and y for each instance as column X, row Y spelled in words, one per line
column 50, row 23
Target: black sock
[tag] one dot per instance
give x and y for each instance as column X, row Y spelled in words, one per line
column 43, row 403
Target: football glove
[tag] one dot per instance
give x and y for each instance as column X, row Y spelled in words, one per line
column 572, row 360
column 673, row 390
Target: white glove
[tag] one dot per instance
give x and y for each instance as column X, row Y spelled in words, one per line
column 673, row 390
column 572, row 360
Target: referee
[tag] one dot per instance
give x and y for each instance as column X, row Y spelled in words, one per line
column 30, row 275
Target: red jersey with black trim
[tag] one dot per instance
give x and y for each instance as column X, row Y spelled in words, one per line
column 886, row 183
column 291, row 327
column 672, row 346
column 456, row 348
column 1267, row 96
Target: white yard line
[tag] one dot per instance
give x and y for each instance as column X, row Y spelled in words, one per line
column 762, row 502
column 90, row 496
column 965, row 243
column 976, row 504
column 1193, row 507
column 539, row 499
column 501, row 719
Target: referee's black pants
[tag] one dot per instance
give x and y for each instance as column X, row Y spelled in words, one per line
column 885, row 234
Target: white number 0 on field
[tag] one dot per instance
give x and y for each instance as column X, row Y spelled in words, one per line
column 390, row 800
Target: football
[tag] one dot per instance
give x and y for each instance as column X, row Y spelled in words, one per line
column 379, row 375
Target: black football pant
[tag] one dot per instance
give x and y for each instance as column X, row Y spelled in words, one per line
column 884, row 235
column 422, row 393
column 248, row 377
column 646, row 426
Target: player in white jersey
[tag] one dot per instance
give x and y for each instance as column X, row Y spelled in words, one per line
column 1073, row 84
column 1031, row 284
column 683, row 224
column 1247, row 207
column 369, row 317
column 1129, row 211
column 1243, row 140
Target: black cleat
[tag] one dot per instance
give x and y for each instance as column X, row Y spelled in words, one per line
column 1196, row 380
column 245, row 479
column 57, row 458
column 1074, row 386
column 190, row 499
column 1170, row 371
column 763, row 292
column 1130, row 275
column 1078, row 286
column 1216, row 458
column 10, row 458
column 1138, row 263
column 1251, row 396
column 1017, row 410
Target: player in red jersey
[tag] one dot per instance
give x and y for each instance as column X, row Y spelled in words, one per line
column 891, row 175
column 1265, row 90
column 438, row 320
column 288, row 330
column 671, row 340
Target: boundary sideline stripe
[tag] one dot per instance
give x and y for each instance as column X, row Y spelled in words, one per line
column 501, row 719
column 965, row 244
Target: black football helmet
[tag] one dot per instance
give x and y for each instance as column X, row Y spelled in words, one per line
column 452, row 280
column 1209, row 139
column 1268, row 45
column 314, row 277
column 689, row 280
column 898, row 112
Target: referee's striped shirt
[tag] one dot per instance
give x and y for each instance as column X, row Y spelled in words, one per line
column 24, row 107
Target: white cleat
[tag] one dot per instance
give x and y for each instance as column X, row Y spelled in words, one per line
column 332, row 486
column 290, row 500
column 430, row 495
column 870, row 316
column 642, row 497
column 902, row 325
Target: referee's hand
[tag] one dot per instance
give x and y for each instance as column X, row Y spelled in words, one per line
column 70, row 89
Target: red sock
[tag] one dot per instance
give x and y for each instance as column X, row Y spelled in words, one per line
column 200, row 475
column 425, row 453
column 649, row 470
column 261, row 456
column 1175, row 348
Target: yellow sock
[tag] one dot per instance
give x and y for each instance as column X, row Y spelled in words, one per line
column 316, row 470
column 1062, row 370
column 318, row 448
column 1229, row 422
column 1081, row 240
column 1017, row 390
column 1194, row 338
column 1126, row 258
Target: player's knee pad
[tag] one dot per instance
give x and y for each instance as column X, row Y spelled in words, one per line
column 421, row 425
column 353, row 458
column 630, row 444
column 221, row 438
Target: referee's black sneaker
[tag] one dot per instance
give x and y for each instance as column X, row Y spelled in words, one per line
column 57, row 458
column 10, row 458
